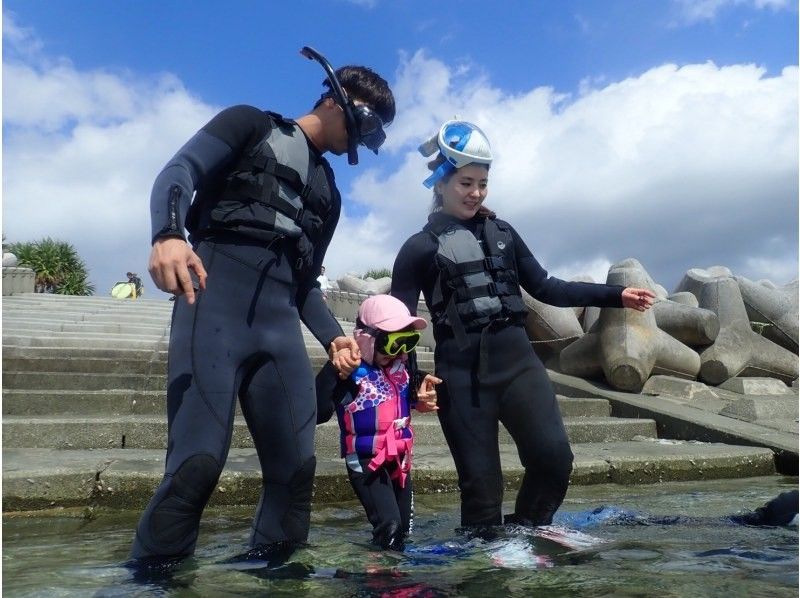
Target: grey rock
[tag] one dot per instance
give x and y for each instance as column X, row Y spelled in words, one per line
column 775, row 307
column 556, row 327
column 757, row 386
column 684, row 298
column 626, row 345
column 353, row 284
column 692, row 326
column 737, row 350
column 678, row 387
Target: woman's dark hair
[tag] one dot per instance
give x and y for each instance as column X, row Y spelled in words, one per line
column 364, row 84
column 433, row 165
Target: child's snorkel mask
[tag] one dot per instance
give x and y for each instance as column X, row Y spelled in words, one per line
column 363, row 124
column 392, row 343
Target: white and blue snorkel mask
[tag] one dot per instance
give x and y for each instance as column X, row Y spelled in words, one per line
column 460, row 143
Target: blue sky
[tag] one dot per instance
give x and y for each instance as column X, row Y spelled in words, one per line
column 662, row 130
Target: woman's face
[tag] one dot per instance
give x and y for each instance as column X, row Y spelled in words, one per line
column 464, row 192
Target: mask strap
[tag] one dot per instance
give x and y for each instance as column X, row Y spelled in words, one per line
column 444, row 169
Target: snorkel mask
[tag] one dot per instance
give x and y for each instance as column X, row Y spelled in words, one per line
column 364, row 126
column 460, row 143
column 392, row 343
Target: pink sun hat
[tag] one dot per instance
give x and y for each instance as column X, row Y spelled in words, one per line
column 388, row 313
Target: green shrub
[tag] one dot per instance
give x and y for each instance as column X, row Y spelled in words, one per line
column 57, row 265
column 378, row 273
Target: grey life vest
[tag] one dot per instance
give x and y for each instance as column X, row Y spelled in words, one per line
column 477, row 281
column 266, row 199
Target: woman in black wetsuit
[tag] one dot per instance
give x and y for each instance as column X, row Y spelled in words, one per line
column 469, row 265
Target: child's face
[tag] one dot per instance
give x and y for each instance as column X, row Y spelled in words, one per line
column 382, row 360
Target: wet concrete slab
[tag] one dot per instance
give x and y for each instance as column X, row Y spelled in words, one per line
column 123, row 478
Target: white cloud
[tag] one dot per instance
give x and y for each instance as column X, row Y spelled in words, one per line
column 679, row 167
column 81, row 151
column 693, row 11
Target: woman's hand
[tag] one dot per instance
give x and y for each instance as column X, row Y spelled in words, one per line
column 638, row 299
column 426, row 394
column 344, row 355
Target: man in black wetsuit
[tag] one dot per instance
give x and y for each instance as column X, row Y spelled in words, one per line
column 265, row 210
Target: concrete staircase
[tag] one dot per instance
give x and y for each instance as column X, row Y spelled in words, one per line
column 84, row 418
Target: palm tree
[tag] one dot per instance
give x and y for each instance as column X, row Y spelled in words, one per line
column 57, row 265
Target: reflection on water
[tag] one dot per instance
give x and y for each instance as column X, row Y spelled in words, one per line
column 63, row 556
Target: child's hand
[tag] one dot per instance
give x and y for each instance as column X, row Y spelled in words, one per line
column 426, row 394
column 345, row 355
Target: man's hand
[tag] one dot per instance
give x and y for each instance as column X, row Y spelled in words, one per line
column 638, row 299
column 345, row 355
column 426, row 394
column 170, row 262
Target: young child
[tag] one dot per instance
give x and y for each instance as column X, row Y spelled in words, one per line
column 373, row 407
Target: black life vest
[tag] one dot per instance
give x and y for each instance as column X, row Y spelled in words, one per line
column 477, row 281
column 264, row 198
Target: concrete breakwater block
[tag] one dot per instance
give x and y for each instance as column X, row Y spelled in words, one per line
column 556, row 327
column 627, row 345
column 775, row 307
column 753, row 409
column 691, row 325
column 684, row 298
column 757, row 386
column 689, row 390
column 370, row 286
column 737, row 350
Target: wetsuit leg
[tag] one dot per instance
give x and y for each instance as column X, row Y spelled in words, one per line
column 529, row 411
column 388, row 513
column 280, row 406
column 471, row 430
column 405, row 501
column 207, row 348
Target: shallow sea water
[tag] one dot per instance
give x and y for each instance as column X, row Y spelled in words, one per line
column 65, row 555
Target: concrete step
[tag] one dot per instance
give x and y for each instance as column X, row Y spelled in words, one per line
column 144, row 363
column 70, row 341
column 153, row 402
column 57, row 368
column 147, row 431
column 82, row 381
column 126, row 328
column 40, row 315
column 23, row 353
column 126, row 478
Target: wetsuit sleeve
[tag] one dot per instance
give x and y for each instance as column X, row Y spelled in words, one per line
column 409, row 274
column 310, row 302
column 410, row 270
column 202, row 157
column 331, row 391
column 561, row 293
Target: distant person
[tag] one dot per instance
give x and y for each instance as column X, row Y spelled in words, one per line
column 133, row 278
column 264, row 211
column 470, row 265
column 324, row 284
column 373, row 406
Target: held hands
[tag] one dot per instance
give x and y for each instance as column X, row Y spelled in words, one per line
column 638, row 299
column 170, row 262
column 426, row 394
column 345, row 355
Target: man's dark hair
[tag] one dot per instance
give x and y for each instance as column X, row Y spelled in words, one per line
column 364, row 84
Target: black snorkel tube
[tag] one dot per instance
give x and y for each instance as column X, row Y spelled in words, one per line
column 342, row 100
